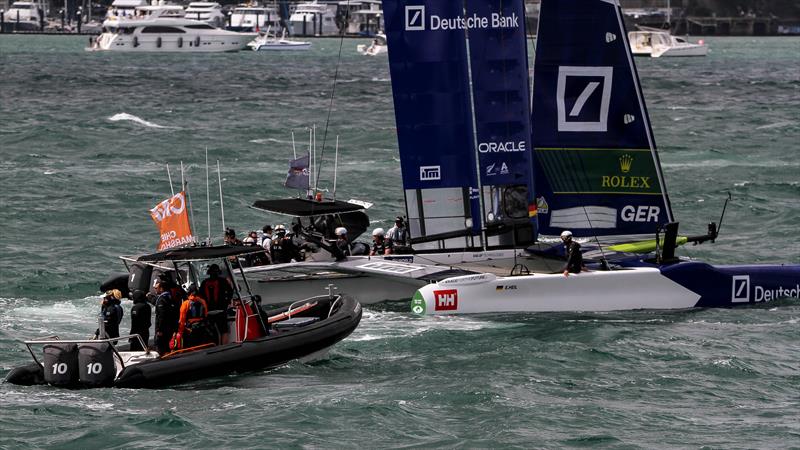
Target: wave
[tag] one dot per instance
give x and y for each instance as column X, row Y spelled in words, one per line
column 776, row 125
column 131, row 118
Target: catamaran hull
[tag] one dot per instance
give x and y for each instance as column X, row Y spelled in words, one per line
column 367, row 289
column 678, row 286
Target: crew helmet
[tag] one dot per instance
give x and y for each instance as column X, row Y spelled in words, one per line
column 189, row 287
column 213, row 269
column 566, row 234
column 341, row 231
column 378, row 232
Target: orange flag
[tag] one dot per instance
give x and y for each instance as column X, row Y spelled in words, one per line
column 172, row 219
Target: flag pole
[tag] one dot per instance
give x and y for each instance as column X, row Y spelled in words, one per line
column 335, row 167
column 169, row 176
column 221, row 206
column 185, row 189
column 294, row 150
column 208, row 201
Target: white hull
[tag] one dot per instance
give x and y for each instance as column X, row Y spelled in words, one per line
column 281, row 47
column 210, row 43
column 277, row 283
column 691, row 50
column 372, row 50
column 638, row 288
column 278, row 288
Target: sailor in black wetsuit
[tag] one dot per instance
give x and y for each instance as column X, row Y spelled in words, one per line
column 574, row 255
column 111, row 315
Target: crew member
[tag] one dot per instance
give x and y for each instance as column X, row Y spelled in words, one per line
column 266, row 240
column 342, row 242
column 140, row 320
column 573, row 252
column 398, row 234
column 380, row 245
column 217, row 292
column 193, row 329
column 166, row 316
column 110, row 315
column 230, row 237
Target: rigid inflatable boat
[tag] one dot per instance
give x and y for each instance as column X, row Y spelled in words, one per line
column 259, row 339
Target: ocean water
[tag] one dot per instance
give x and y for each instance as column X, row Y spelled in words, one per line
column 84, row 143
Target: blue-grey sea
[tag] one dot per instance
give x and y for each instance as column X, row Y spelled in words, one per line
column 84, row 143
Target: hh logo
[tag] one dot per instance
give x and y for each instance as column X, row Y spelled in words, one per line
column 430, row 173
column 415, row 18
column 446, row 300
column 741, row 289
column 583, row 97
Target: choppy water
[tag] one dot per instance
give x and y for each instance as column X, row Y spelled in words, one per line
column 84, row 139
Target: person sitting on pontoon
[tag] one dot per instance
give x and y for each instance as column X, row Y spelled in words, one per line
column 380, row 245
column 574, row 256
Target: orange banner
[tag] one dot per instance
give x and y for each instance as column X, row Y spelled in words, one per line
column 172, row 219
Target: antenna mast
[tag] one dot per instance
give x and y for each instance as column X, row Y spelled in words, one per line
column 221, row 206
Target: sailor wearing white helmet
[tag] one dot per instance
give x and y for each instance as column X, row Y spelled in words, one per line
column 277, row 250
column 342, row 242
column 380, row 245
column 573, row 252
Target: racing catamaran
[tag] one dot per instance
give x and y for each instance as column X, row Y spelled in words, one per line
column 597, row 173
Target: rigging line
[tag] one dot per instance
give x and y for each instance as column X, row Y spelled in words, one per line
column 591, row 227
column 333, row 89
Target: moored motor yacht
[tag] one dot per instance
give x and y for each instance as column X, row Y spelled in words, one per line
column 313, row 19
column 658, row 43
column 257, row 338
column 156, row 32
column 254, row 18
column 23, row 16
column 208, row 12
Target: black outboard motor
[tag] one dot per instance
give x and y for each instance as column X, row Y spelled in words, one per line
column 61, row 364
column 117, row 281
column 139, row 277
column 96, row 361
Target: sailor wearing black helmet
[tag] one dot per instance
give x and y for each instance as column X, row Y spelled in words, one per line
column 573, row 251
column 217, row 292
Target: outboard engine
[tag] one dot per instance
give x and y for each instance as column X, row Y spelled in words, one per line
column 117, row 281
column 96, row 362
column 139, row 277
column 61, row 364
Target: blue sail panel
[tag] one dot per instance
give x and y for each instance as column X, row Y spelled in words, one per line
column 597, row 169
column 498, row 55
column 430, row 86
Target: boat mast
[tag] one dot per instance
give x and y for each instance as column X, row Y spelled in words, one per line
column 474, row 125
column 208, row 200
column 169, row 176
column 221, row 206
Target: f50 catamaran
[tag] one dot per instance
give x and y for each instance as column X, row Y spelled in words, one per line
column 596, row 172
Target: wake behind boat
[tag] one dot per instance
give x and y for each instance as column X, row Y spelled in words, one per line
column 259, row 338
column 270, row 41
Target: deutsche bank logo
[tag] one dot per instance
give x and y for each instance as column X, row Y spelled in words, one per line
column 430, row 173
column 415, row 18
column 741, row 289
column 582, row 98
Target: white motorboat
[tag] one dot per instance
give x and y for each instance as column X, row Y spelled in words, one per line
column 376, row 47
column 158, row 31
column 659, row 43
column 254, row 18
column 124, row 8
column 23, row 16
column 208, row 12
column 313, row 19
column 269, row 41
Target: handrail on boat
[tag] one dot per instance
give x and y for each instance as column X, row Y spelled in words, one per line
column 109, row 341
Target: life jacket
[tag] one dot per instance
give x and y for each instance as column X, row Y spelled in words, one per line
column 213, row 291
column 197, row 309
